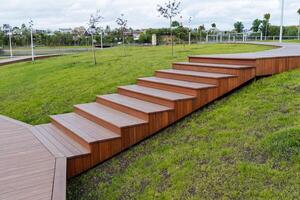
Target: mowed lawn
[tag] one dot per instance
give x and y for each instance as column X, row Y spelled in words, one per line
column 244, row 146
column 31, row 92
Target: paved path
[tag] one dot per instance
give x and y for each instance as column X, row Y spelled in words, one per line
column 24, row 58
column 284, row 50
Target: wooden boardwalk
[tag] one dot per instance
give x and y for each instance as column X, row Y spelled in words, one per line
column 36, row 160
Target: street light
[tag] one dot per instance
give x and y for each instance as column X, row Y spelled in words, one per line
column 31, row 37
column 7, row 28
column 281, row 21
column 190, row 20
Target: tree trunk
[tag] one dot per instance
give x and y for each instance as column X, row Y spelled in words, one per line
column 93, row 49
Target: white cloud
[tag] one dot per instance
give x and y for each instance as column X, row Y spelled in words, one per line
column 142, row 13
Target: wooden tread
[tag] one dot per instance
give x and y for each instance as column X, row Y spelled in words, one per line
column 162, row 94
column 196, row 74
column 214, row 65
column 58, row 143
column 111, row 116
column 84, row 128
column 133, row 103
column 177, row 83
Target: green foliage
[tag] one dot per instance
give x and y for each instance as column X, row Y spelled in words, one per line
column 175, row 24
column 145, row 38
column 239, row 27
column 256, row 25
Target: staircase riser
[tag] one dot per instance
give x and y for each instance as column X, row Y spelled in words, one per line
column 170, row 88
column 97, row 120
column 205, row 96
column 100, row 152
column 183, row 108
column 133, row 135
column 123, row 109
column 223, row 61
column 163, row 102
column 181, row 77
column 158, row 121
column 70, row 134
column 207, row 69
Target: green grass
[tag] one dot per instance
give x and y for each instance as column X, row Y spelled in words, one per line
column 244, row 146
column 31, row 92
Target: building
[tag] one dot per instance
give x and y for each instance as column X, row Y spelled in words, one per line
column 65, row 30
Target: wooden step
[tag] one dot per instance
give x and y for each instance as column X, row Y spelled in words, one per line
column 108, row 117
column 219, row 59
column 183, row 87
column 131, row 106
column 59, row 143
column 157, row 96
column 244, row 72
column 210, row 67
column 200, row 77
column 81, row 129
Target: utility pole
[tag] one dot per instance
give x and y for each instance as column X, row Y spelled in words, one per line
column 31, row 37
column 281, row 21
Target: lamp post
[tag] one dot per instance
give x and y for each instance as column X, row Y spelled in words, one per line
column 31, row 38
column 10, row 46
column 281, row 21
column 7, row 28
column 190, row 20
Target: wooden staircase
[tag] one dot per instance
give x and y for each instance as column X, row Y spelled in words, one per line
column 97, row 131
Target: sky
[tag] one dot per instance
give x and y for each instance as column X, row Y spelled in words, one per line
column 54, row 14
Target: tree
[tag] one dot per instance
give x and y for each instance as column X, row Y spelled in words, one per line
column 169, row 11
column 122, row 22
column 239, row 27
column 267, row 17
column 94, row 20
column 299, row 24
column 201, row 28
column 175, row 24
column 256, row 25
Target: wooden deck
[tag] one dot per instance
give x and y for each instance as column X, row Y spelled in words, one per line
column 27, row 169
column 36, row 160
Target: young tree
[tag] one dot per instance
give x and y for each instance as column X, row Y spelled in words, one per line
column 122, row 22
column 169, row 11
column 299, row 24
column 267, row 17
column 239, row 27
column 94, row 20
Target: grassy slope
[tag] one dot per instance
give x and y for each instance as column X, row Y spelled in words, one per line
column 245, row 146
column 31, row 92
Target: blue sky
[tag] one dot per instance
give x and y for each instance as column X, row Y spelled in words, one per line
column 142, row 13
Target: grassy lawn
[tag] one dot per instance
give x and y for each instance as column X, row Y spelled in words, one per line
column 30, row 92
column 244, row 146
